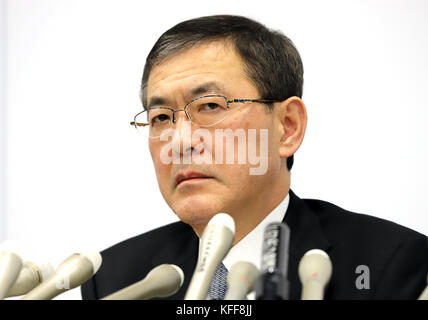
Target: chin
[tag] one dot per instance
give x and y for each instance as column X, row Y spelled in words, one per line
column 194, row 213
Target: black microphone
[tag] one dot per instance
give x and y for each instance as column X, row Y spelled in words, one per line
column 273, row 283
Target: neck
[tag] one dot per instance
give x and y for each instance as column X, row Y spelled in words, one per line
column 247, row 220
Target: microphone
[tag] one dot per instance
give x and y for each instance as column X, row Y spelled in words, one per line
column 216, row 242
column 273, row 283
column 315, row 270
column 240, row 280
column 424, row 294
column 162, row 281
column 10, row 266
column 71, row 273
column 31, row 276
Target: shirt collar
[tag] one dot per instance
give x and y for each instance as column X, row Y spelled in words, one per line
column 249, row 249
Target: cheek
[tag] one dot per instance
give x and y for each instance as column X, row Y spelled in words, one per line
column 257, row 137
column 161, row 169
column 154, row 152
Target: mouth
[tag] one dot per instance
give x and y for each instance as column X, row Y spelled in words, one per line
column 190, row 176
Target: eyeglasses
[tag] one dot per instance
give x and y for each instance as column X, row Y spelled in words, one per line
column 205, row 111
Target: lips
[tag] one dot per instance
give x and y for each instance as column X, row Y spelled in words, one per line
column 189, row 175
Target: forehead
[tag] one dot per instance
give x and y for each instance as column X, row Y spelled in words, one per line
column 214, row 62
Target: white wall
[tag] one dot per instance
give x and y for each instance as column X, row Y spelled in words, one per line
column 79, row 177
column 2, row 120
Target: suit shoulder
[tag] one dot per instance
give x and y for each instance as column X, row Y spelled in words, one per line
column 150, row 240
column 130, row 260
column 365, row 225
column 394, row 254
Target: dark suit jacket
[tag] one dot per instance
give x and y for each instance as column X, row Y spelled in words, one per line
column 396, row 257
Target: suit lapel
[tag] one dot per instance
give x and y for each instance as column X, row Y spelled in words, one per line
column 305, row 234
column 182, row 251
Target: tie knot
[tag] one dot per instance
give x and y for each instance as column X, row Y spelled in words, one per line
column 218, row 287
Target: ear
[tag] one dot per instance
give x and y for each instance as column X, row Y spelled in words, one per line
column 292, row 125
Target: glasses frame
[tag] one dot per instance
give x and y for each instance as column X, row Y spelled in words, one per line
column 228, row 102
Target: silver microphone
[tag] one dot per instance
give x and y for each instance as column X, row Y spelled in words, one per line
column 162, row 281
column 315, row 270
column 424, row 294
column 216, row 242
column 10, row 267
column 31, row 276
column 73, row 272
column 240, row 280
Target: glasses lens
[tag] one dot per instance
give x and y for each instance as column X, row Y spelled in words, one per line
column 208, row 111
column 156, row 121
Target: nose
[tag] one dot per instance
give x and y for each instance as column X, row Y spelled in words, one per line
column 175, row 115
column 183, row 142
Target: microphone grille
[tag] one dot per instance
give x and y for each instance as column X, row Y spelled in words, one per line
column 180, row 272
column 315, row 264
column 95, row 258
column 317, row 251
column 223, row 219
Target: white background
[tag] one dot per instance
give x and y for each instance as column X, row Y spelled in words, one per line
column 3, row 68
column 77, row 175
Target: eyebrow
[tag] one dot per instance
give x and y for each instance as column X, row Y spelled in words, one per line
column 158, row 100
column 207, row 87
column 201, row 89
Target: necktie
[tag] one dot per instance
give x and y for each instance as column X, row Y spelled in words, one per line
column 218, row 287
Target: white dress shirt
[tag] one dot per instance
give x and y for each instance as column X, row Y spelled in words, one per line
column 249, row 249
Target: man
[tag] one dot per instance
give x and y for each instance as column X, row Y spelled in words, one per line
column 211, row 78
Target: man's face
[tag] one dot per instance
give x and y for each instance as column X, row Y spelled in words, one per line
column 213, row 68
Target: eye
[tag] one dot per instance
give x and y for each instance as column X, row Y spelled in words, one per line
column 160, row 119
column 209, row 107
